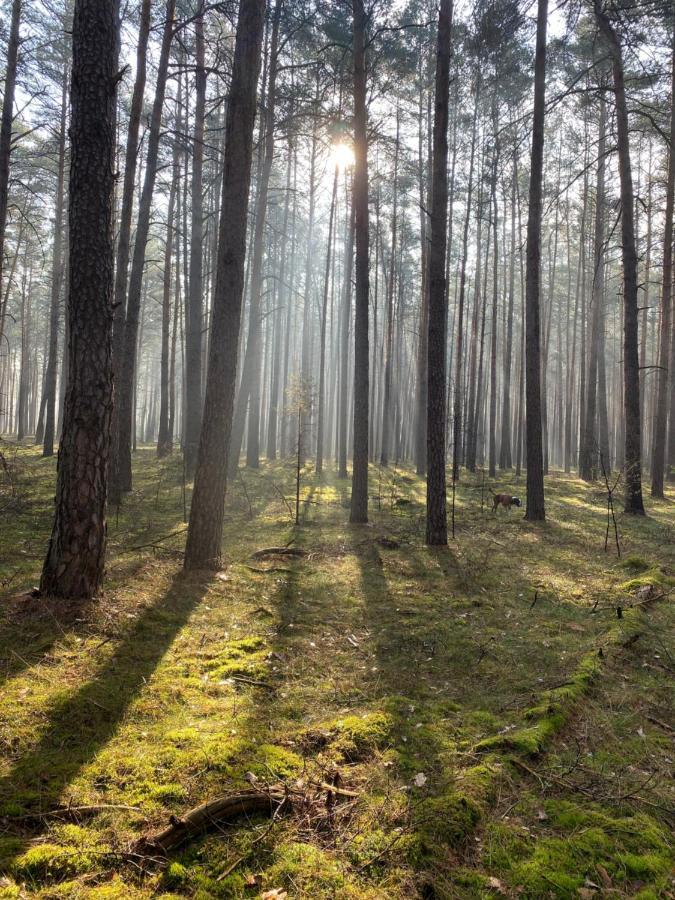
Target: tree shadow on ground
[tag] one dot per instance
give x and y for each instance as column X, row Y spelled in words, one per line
column 81, row 724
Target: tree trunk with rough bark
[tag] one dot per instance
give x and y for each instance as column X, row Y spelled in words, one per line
column 533, row 424
column 126, row 373
column 195, row 301
column 359, row 498
column 631, row 363
column 57, row 281
column 76, row 556
column 205, row 529
column 436, row 526
column 6, row 131
column 665, row 376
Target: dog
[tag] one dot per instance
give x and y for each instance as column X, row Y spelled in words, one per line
column 505, row 500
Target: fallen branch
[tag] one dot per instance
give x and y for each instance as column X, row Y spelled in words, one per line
column 154, row 543
column 253, row 681
column 209, row 815
column 278, row 551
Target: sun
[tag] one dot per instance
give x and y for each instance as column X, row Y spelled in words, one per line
column 342, row 156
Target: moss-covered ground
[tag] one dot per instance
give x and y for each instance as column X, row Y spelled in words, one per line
column 507, row 732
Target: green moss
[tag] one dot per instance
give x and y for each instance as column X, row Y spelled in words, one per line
column 447, row 820
column 301, row 866
column 645, row 866
column 47, row 861
column 175, row 875
column 653, row 577
column 635, row 563
column 550, row 872
column 272, row 760
column 353, row 737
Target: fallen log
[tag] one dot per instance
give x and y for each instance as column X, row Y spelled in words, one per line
column 209, row 815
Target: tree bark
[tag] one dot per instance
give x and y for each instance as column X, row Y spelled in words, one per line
column 436, row 526
column 57, row 280
column 359, row 498
column 125, row 374
column 165, row 436
column 588, row 451
column 205, row 529
column 195, row 302
column 631, row 363
column 322, row 340
column 533, row 424
column 387, row 429
column 665, row 376
column 249, row 387
column 76, row 555
column 6, row 131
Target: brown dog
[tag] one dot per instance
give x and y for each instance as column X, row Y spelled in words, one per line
column 505, row 500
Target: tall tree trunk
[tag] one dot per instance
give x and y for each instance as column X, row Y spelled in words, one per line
column 125, row 375
column 505, row 454
column 588, row 450
column 359, row 498
column 631, row 363
column 492, row 451
column 6, row 130
column 124, row 236
column 437, row 529
column 285, row 296
column 165, row 437
column 659, row 453
column 459, row 358
column 76, row 556
column 205, row 530
column 387, row 429
column 249, row 386
column 57, row 280
column 345, row 316
column 195, row 302
column 322, row 340
column 533, row 424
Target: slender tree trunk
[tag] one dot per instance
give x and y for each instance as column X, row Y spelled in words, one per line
column 505, row 454
column 459, row 357
column 76, row 555
column 389, row 338
column 57, row 280
column 124, row 236
column 359, row 498
column 195, row 302
column 588, row 451
column 205, row 530
column 6, row 131
column 535, row 456
column 345, row 316
column 492, row 457
column 165, row 437
column 322, row 349
column 285, row 296
column 437, row 529
column 249, row 386
column 631, row 363
column 125, row 375
column 659, row 453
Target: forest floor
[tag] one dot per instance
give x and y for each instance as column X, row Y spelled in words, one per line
column 496, row 727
